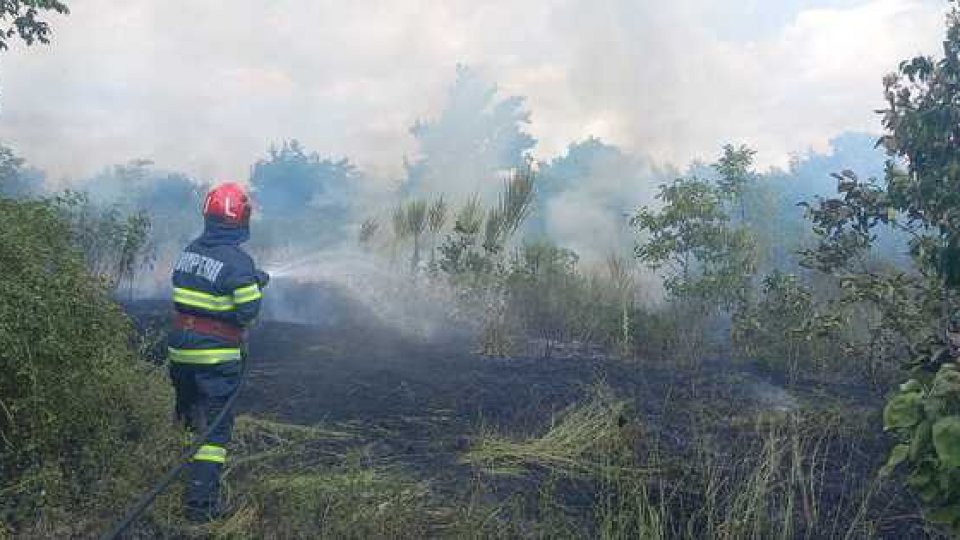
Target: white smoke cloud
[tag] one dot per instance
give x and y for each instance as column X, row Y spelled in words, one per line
column 204, row 87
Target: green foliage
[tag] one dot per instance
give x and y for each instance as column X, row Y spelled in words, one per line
column 946, row 440
column 550, row 297
column 437, row 215
column 924, row 416
column 535, row 288
column 461, row 253
column 786, row 330
column 114, row 245
column 79, row 409
column 514, row 204
column 410, row 222
column 21, row 19
column 541, row 282
column 734, row 168
column 304, row 199
column 475, row 247
column 920, row 196
column 171, row 200
column 16, row 180
column 920, row 122
column 690, row 238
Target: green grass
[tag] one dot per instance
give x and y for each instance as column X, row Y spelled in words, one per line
column 350, row 501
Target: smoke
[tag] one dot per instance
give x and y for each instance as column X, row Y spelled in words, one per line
column 324, row 287
column 373, row 94
column 303, row 200
column 587, row 196
column 477, row 135
column 204, row 87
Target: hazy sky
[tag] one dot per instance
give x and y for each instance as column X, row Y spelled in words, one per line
column 205, row 86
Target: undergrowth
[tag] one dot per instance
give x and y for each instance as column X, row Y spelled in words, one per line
column 83, row 422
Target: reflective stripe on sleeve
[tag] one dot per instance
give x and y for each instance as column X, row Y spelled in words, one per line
column 203, row 356
column 246, row 294
column 212, row 453
column 197, row 299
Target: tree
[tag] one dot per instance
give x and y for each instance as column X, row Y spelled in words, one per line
column 172, row 200
column 920, row 195
column 16, row 180
column 691, row 237
column 21, row 18
column 734, row 168
column 292, row 184
column 595, row 179
column 114, row 242
column 475, row 137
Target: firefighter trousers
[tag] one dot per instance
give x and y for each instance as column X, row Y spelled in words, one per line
column 202, row 392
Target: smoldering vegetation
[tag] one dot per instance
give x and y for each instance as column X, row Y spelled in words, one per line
column 587, row 345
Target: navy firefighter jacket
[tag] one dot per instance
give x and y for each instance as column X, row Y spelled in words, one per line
column 214, row 279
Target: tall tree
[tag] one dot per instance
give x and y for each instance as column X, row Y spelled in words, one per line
column 735, row 168
column 596, row 179
column 920, row 194
column 170, row 199
column 294, row 184
column 477, row 135
column 691, row 238
column 16, row 179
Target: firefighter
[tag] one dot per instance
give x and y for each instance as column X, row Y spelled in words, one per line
column 216, row 294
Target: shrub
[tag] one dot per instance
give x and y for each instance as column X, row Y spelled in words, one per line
column 78, row 410
column 786, row 331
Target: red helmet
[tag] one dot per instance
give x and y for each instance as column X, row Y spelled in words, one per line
column 228, row 203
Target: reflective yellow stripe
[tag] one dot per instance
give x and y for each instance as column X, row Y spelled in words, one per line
column 247, row 294
column 203, row 356
column 211, row 452
column 189, row 297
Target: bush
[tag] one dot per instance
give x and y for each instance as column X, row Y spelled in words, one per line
column 786, row 331
column 113, row 244
column 542, row 283
column 78, row 410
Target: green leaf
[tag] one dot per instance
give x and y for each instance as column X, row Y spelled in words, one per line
column 946, row 515
column 919, row 479
column 903, row 411
column 928, row 493
column 946, row 383
column 934, row 407
column 897, row 456
column 912, row 385
column 920, row 442
column 946, row 439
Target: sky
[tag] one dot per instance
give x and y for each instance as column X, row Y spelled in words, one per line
column 206, row 87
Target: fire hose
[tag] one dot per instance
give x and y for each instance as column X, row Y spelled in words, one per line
column 146, row 500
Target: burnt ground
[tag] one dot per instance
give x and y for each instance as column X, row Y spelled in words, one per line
column 416, row 403
column 425, row 398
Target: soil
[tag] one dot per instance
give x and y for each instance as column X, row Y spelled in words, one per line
column 417, row 402
column 430, row 395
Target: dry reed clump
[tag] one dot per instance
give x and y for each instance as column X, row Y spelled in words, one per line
column 578, row 443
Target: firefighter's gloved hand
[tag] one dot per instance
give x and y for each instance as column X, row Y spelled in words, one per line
column 263, row 278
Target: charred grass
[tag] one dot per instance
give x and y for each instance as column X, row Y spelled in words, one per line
column 612, row 450
column 379, row 436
